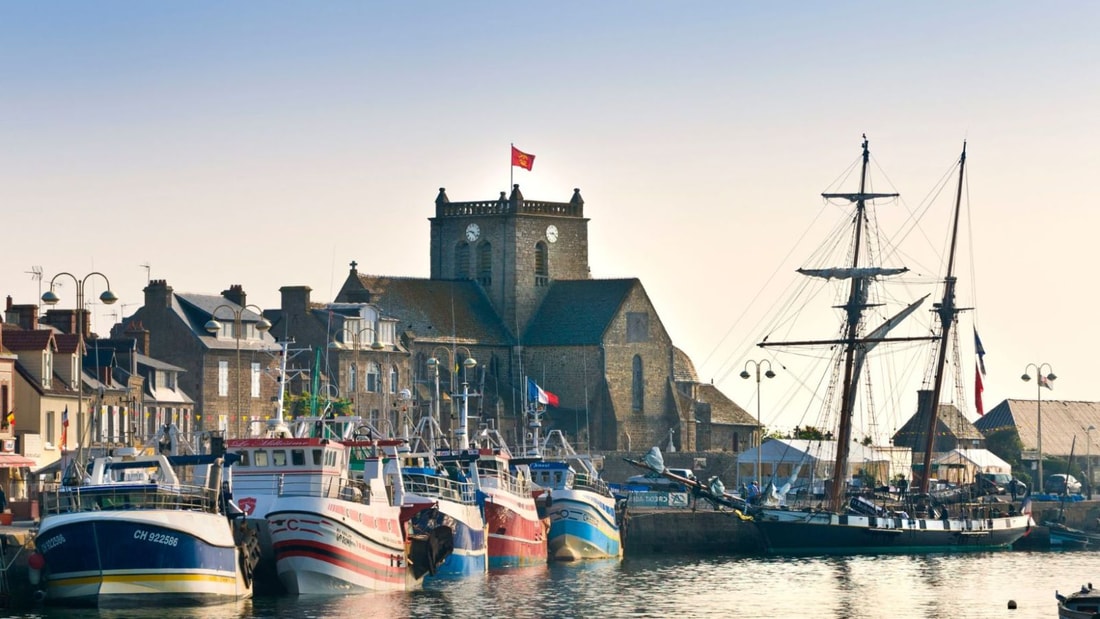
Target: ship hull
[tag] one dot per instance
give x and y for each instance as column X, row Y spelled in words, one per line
column 811, row 533
column 139, row 557
column 582, row 526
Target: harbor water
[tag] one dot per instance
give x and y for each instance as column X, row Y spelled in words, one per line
column 979, row 585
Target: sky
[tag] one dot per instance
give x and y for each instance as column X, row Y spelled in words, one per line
column 271, row 143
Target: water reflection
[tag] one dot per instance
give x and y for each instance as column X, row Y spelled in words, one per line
column 684, row 587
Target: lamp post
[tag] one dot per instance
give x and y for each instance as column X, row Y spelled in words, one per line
column 1088, row 457
column 767, row 374
column 461, row 434
column 214, row 327
column 1042, row 381
column 51, row 298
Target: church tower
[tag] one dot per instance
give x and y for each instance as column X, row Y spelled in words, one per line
column 512, row 247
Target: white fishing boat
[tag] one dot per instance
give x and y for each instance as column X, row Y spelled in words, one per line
column 339, row 524
column 144, row 530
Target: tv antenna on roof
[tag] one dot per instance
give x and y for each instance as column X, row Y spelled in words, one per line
column 148, row 271
column 36, row 274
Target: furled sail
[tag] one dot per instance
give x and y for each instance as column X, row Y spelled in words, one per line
column 850, row 272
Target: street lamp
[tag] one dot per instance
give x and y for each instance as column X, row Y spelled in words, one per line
column 1043, row 381
column 768, row 374
column 470, row 363
column 51, row 298
column 214, row 327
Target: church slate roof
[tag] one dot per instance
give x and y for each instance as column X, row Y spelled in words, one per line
column 683, row 369
column 577, row 312
column 722, row 409
column 439, row 309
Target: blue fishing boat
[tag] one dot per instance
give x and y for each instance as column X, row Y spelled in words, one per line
column 145, row 530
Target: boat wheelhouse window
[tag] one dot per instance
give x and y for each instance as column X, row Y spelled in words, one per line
column 298, row 457
column 278, row 457
column 318, row 457
column 261, row 458
column 245, row 460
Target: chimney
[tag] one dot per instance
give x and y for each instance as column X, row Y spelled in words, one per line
column 158, row 294
column 295, row 299
column 235, row 294
column 141, row 334
column 65, row 320
column 26, row 316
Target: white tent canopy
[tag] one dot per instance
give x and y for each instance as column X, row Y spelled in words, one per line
column 962, row 465
column 779, row 458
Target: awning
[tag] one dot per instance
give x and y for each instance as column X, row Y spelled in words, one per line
column 13, row 461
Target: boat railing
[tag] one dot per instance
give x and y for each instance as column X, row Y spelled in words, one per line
column 505, row 480
column 440, row 487
column 584, row 481
column 62, row 499
column 354, row 490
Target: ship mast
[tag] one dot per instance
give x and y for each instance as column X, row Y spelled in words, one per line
column 947, row 311
column 854, row 311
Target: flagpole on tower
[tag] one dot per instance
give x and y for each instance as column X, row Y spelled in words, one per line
column 512, row 167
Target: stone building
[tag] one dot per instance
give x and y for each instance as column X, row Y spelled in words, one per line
column 232, row 373
column 511, row 286
column 354, row 351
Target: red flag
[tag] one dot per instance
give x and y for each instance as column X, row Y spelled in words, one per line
column 522, row 159
column 978, row 389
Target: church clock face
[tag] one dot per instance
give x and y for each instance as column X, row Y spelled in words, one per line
column 552, row 233
column 473, row 232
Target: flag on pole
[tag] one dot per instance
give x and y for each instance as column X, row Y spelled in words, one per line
column 64, row 427
column 540, row 395
column 978, row 389
column 980, row 351
column 522, row 159
column 1045, row 382
column 10, row 419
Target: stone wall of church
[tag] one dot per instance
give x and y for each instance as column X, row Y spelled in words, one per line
column 637, row 333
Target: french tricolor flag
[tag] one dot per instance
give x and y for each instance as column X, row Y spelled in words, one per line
column 540, row 395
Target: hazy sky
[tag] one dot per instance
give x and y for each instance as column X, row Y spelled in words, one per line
column 271, row 143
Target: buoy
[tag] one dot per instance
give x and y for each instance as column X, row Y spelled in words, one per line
column 1012, row 605
column 35, row 563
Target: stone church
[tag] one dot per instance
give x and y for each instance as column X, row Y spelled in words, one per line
column 511, row 287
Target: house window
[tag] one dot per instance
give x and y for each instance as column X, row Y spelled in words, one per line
column 47, row 369
column 255, row 380
column 637, row 327
column 638, row 385
column 223, row 378
column 462, row 261
column 542, row 265
column 49, row 428
column 374, row 377
column 485, row 264
column 393, row 379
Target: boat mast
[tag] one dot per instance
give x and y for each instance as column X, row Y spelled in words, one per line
column 854, row 311
column 947, row 311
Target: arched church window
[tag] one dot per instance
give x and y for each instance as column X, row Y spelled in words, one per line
column 485, row 264
column 462, row 261
column 542, row 265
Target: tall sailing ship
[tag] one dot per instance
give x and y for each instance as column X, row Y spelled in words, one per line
column 851, row 524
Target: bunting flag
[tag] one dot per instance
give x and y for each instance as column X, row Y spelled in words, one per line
column 540, row 395
column 978, row 389
column 980, row 351
column 522, row 159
